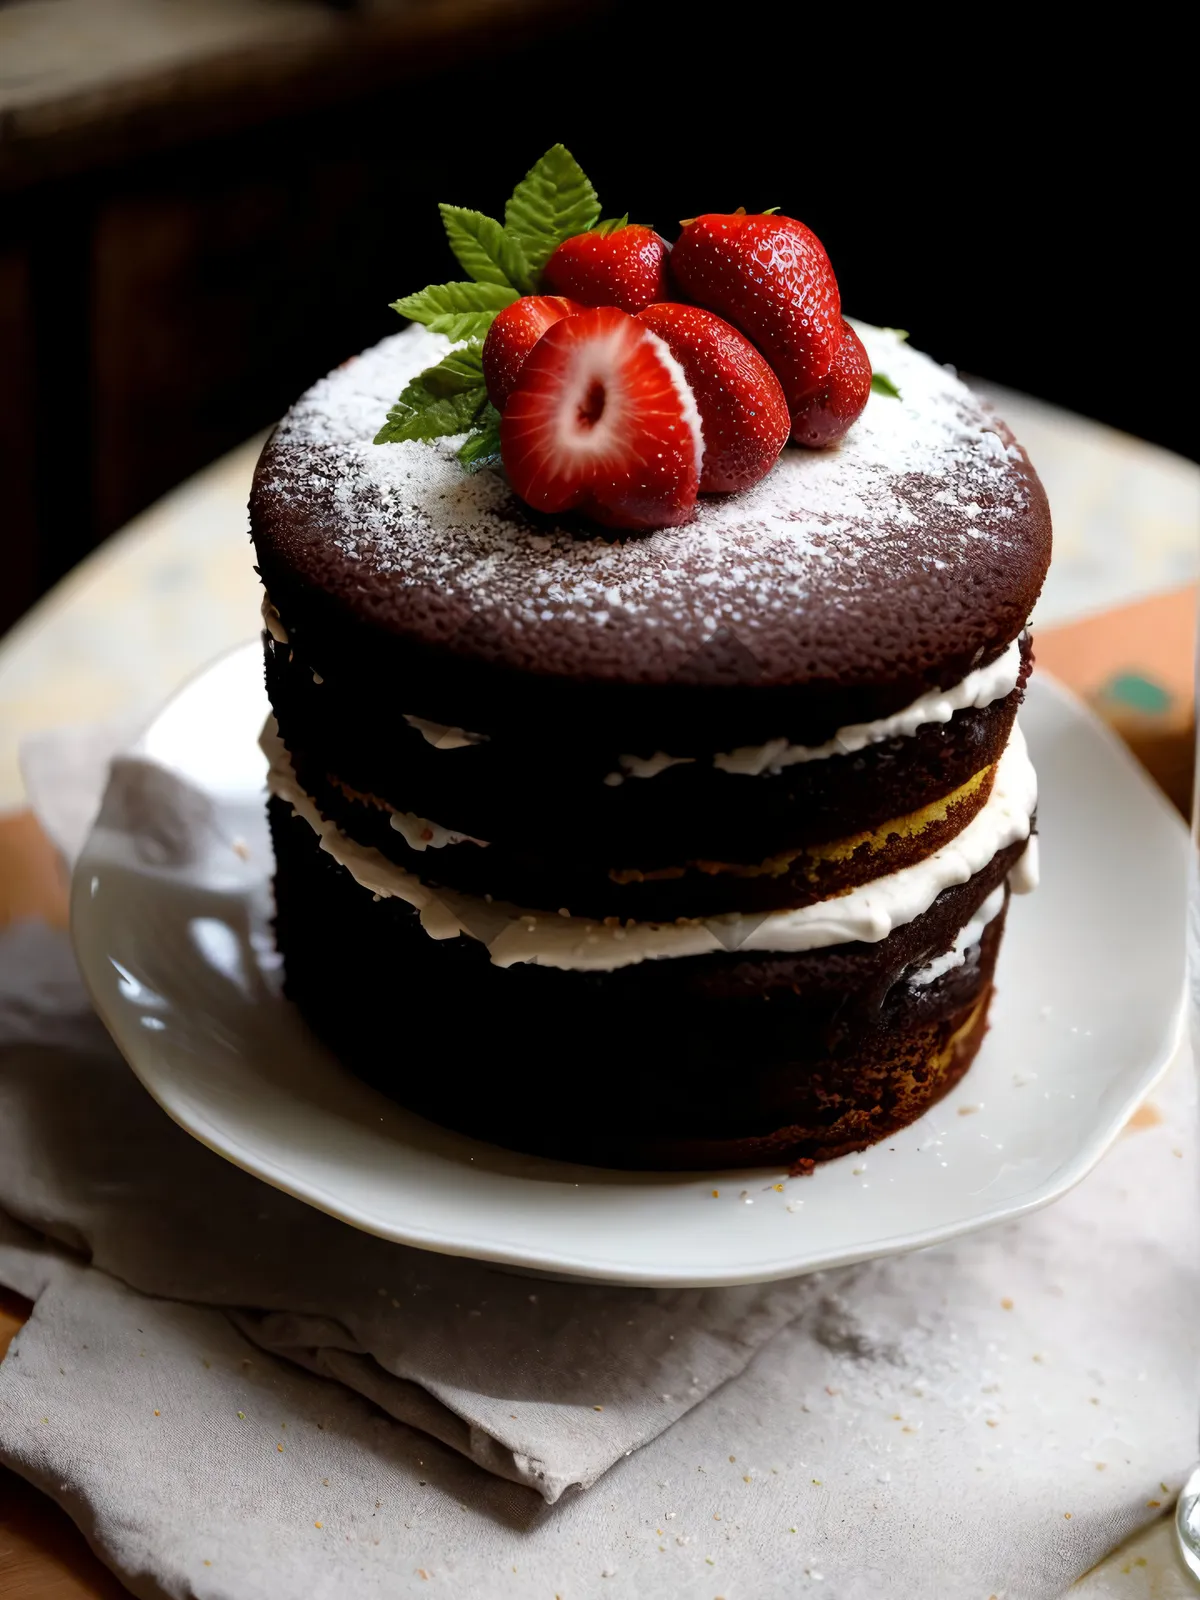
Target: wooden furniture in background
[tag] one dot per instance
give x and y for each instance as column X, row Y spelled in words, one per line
column 202, row 208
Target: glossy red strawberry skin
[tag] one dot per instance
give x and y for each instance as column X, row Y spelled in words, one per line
column 826, row 416
column 771, row 278
column 602, row 421
column 513, row 335
column 627, row 268
column 743, row 412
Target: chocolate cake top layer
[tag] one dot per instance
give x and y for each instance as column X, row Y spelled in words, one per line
column 901, row 559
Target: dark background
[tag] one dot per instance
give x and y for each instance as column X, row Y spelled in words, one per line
column 170, row 280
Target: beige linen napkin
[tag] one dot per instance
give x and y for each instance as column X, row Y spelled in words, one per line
column 988, row 1417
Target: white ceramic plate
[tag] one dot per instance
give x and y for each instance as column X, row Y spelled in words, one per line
column 173, row 941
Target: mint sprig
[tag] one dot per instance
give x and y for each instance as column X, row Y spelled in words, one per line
column 482, row 448
column 446, row 399
column 882, row 384
column 459, row 310
column 554, row 201
column 485, row 250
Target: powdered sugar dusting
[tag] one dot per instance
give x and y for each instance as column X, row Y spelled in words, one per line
column 809, row 538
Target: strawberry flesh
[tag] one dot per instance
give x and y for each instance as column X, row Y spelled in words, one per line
column 827, row 415
column 513, row 335
column 742, row 408
column 602, row 421
column 771, row 278
column 626, row 268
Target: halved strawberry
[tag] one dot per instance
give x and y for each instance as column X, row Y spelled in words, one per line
column 742, row 409
column 602, row 421
column 626, row 268
column 771, row 278
column 513, row 335
column 825, row 416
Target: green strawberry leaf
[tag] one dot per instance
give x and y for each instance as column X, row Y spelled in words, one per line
column 485, row 250
column 610, row 225
column 882, row 384
column 771, row 211
column 897, row 333
column 446, row 399
column 459, row 310
column 553, row 201
column 482, row 449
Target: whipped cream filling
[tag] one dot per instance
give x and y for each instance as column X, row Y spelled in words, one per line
column 1026, row 873
column 979, row 688
column 968, row 938
column 513, row 934
column 271, row 620
column 442, row 737
column 648, row 767
column 421, row 834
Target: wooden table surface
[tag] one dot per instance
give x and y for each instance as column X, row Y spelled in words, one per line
column 177, row 587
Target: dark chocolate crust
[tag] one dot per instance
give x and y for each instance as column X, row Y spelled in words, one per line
column 837, row 591
column 724, row 1059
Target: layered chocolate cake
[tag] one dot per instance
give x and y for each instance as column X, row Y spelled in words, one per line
column 654, row 846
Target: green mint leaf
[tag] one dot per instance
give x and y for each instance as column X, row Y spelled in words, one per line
column 459, row 310
column 448, row 398
column 882, row 384
column 486, row 252
column 553, row 201
column 897, row 333
column 610, row 225
column 457, row 373
column 482, row 449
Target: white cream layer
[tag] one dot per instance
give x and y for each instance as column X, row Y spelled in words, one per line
column 968, row 937
column 867, row 913
column 978, row 689
column 443, row 737
column 421, row 834
column 271, row 620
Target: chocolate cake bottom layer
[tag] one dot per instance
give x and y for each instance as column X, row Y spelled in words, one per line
column 727, row 1059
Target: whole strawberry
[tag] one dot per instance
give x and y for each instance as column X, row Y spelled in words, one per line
column 513, row 335
column 827, row 415
column 771, row 278
column 743, row 413
column 625, row 268
column 602, row 421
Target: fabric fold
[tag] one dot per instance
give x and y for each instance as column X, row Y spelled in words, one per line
column 546, row 1382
